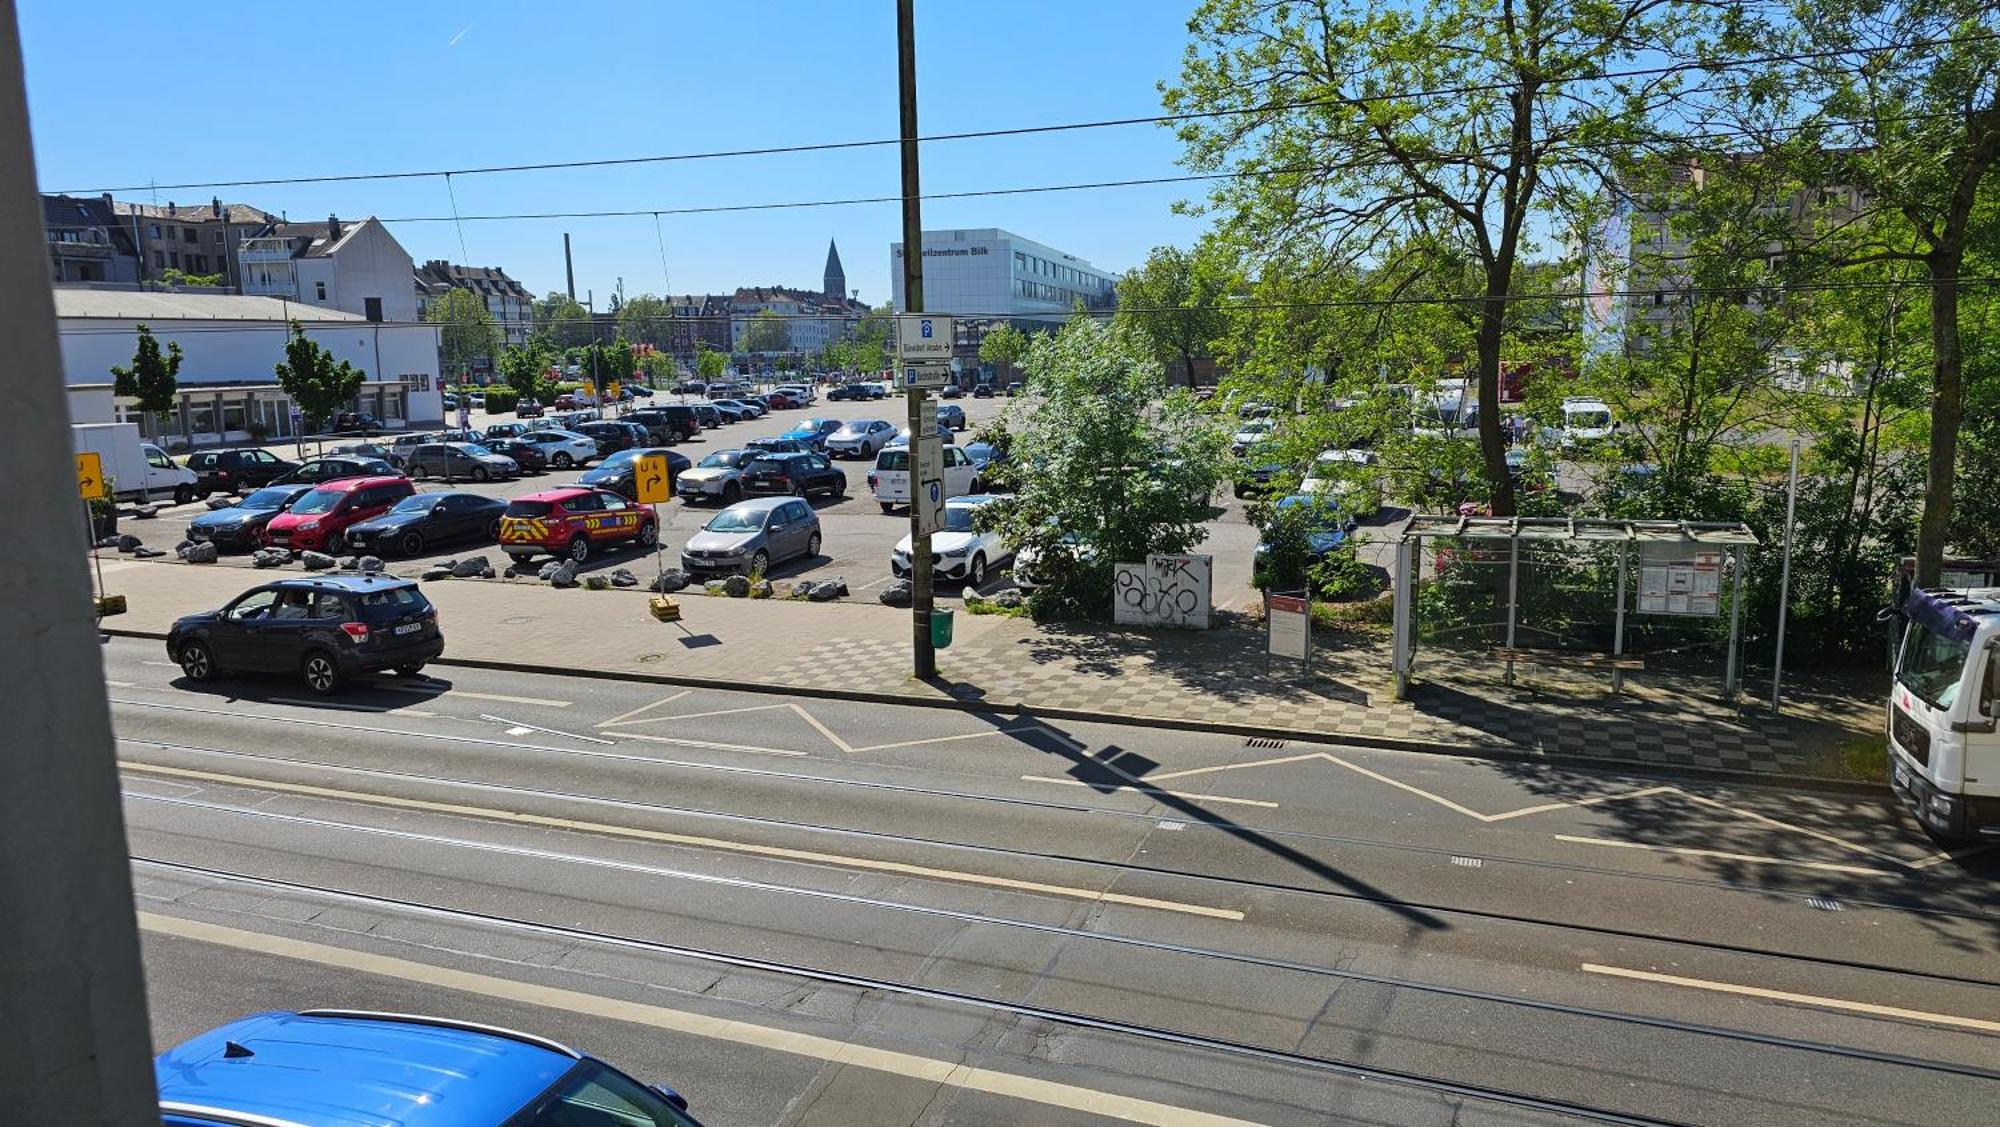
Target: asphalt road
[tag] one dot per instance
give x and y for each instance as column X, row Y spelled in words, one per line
column 806, row 911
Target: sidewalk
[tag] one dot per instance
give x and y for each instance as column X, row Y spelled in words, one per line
column 1214, row 680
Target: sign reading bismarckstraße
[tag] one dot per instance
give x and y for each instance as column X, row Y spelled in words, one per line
column 923, row 336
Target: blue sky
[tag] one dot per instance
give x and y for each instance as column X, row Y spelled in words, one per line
column 125, row 93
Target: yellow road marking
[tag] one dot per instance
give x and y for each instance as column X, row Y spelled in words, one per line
column 439, row 690
column 1802, row 999
column 1960, row 855
column 1826, row 837
column 1823, row 866
column 690, row 715
column 1142, row 789
column 930, row 1070
column 680, row 741
column 644, row 708
column 698, row 841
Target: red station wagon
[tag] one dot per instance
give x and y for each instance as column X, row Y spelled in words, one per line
column 318, row 521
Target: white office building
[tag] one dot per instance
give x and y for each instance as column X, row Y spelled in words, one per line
column 985, row 272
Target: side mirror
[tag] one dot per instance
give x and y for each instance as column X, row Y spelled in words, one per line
column 675, row 1098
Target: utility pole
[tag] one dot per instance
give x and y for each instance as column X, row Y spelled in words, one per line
column 921, row 573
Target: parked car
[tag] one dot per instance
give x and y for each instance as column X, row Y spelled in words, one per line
column 814, row 432
column 950, row 416
column 1016, row 388
column 241, row 526
column 618, row 473
column 355, row 422
column 890, row 480
column 326, row 629
column 1257, row 468
column 950, row 391
column 1256, row 432
column 748, row 408
column 526, row 455
column 376, row 450
column 477, row 399
column 871, row 389
column 1027, row 561
column 527, row 409
column 776, row 446
column 982, row 391
column 730, row 411
column 711, row 418
column 233, row 471
column 667, row 424
column 318, row 521
column 458, row 461
column 1328, row 529
column 859, row 438
column 574, row 521
column 959, row 551
column 717, row 477
column 799, row 474
column 332, row 1064
column 778, row 401
column 801, row 394
column 424, row 519
column 750, row 536
column 563, row 448
column 690, row 387
column 1344, row 476
column 640, row 392
column 450, row 401
column 612, row 437
column 845, row 392
column 312, row 471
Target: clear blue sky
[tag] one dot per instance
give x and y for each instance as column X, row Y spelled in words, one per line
column 125, row 93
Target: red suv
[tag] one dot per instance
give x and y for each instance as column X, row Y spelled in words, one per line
column 574, row 522
column 318, row 522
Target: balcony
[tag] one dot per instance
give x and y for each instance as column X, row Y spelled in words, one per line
column 265, row 250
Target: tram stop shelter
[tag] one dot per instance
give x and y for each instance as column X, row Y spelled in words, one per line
column 1675, row 569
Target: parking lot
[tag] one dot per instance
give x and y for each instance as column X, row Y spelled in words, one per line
column 857, row 535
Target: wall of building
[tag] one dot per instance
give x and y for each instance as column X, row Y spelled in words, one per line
column 369, row 262
column 990, row 272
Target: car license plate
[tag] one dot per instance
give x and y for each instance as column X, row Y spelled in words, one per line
column 1902, row 776
column 409, row 627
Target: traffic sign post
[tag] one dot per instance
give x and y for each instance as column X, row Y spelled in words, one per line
column 924, row 336
column 922, row 377
column 652, row 483
column 90, row 476
column 927, row 484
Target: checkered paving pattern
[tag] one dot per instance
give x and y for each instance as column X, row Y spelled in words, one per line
column 1223, row 679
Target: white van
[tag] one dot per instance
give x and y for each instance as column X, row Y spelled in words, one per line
column 1944, row 708
column 1448, row 412
column 890, row 479
column 1586, row 419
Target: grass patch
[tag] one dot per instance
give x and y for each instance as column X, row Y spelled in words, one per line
column 1863, row 757
column 986, row 606
column 1368, row 615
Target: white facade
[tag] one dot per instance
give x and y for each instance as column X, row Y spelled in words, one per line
column 356, row 268
column 986, row 272
column 230, row 349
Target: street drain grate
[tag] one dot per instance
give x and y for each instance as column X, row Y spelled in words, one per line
column 1824, row 903
column 1468, row 862
column 1260, row 741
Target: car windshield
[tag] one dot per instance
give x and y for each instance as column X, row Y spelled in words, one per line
column 1589, row 420
column 473, row 448
column 622, row 458
column 736, row 520
column 1322, row 517
column 853, row 429
column 265, row 499
column 770, row 465
column 415, row 503
column 722, row 459
column 1931, row 664
column 958, row 518
column 319, row 501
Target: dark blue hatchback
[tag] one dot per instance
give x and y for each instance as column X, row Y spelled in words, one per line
column 349, row 1068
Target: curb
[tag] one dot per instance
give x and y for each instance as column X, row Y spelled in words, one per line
column 1480, row 752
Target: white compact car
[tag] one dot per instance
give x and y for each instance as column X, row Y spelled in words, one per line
column 959, row 551
column 1343, row 475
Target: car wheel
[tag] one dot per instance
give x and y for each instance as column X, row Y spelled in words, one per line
column 322, row 676
column 975, row 573
column 799, row 490
column 978, row 485
column 197, row 662
column 839, row 489
column 411, row 669
column 649, row 536
column 579, row 548
column 732, row 493
column 562, row 461
column 412, row 544
column 887, row 507
column 419, row 473
column 760, row 562
column 493, row 529
column 812, row 546
column 183, row 494
column 201, row 494
column 479, row 473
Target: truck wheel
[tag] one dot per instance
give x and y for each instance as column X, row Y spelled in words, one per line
column 887, row 507
column 183, row 494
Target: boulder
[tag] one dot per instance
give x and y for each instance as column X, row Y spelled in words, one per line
column 440, row 572
column 487, row 574
column 445, row 563
column 670, row 580
column 216, row 504
column 839, row 584
column 549, row 569
column 268, row 559
column 350, row 563
column 316, row 561
column 371, row 563
column 177, row 547
column 1009, row 599
column 803, row 589
column 624, row 578
column 565, row 574
column 972, row 598
column 146, row 512
column 202, row 554
column 736, row 586
column 896, row 594
column 596, row 583
column 826, row 591
column 466, row 569
column 130, row 543
column 714, row 587
column 112, row 542
column 760, row 589
column 147, row 553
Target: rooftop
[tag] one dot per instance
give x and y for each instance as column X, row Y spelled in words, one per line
column 162, row 306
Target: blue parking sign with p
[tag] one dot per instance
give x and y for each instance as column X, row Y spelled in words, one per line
column 924, row 329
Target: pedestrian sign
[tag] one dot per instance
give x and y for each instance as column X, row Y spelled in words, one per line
column 90, row 476
column 924, row 336
column 652, row 480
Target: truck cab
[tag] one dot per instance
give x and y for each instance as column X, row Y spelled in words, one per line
column 1944, row 749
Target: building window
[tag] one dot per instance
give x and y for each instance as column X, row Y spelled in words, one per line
column 174, row 259
column 190, row 235
column 372, row 308
column 319, row 291
column 159, row 260
column 1659, row 298
column 153, row 230
column 218, row 235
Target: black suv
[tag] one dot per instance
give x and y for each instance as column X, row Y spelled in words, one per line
column 611, row 437
column 333, row 467
column 671, row 423
column 326, row 630
column 235, row 471
column 800, row 475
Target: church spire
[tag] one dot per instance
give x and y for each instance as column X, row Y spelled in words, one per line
column 836, row 278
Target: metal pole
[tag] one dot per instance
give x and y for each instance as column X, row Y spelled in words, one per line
column 1618, row 629
column 1729, row 670
column 1402, row 616
column 1513, row 593
column 1785, row 581
column 924, row 655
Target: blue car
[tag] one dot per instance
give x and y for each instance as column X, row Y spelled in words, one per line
column 1330, row 525
column 814, row 432
column 336, row 1068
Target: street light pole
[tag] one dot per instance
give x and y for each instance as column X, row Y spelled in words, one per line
column 923, row 653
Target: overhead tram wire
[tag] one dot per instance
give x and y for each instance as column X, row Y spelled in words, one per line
column 1029, row 130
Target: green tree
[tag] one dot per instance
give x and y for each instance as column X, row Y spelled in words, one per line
column 466, row 336
column 658, row 369
column 767, row 333
column 1326, row 106
column 1104, row 470
column 647, row 319
column 317, row 383
column 1175, row 301
column 173, row 278
column 525, row 369
column 709, row 364
column 1003, row 348
column 564, row 322
column 152, row 379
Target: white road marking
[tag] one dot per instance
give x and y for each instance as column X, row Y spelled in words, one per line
column 1826, row 837
column 119, row 685
column 1237, row 766
column 1822, row 866
column 160, row 664
column 605, row 829
column 944, row 739
column 927, row 1069
column 440, row 690
column 877, row 583
column 690, row 715
column 623, row 716
column 1960, row 855
column 539, row 728
column 824, row 730
column 682, row 741
column 350, row 706
column 1802, row 999
column 1141, row 789
column 518, row 731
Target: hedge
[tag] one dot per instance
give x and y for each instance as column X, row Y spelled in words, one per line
column 501, row 399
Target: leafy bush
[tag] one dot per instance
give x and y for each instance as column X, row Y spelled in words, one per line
column 501, row 399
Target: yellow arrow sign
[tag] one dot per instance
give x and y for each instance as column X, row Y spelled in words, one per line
column 652, row 480
column 90, row 476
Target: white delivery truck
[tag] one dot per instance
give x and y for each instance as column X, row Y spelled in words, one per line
column 1944, row 750
column 137, row 469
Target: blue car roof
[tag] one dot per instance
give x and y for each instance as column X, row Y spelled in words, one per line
column 331, row 1069
column 374, row 581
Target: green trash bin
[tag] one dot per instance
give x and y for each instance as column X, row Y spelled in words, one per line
column 941, row 629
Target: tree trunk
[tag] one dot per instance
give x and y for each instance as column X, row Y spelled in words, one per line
column 1492, row 447
column 1947, row 407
